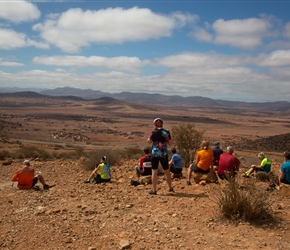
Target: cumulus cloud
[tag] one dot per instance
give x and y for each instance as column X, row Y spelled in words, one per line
column 77, row 28
column 238, row 33
column 274, row 59
column 287, row 30
column 121, row 63
column 18, row 11
column 11, row 39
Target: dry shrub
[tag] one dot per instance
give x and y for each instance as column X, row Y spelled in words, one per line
column 32, row 152
column 248, row 203
column 186, row 139
column 133, row 153
column 4, row 154
column 113, row 158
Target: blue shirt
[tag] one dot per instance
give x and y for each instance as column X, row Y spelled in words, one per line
column 160, row 138
column 285, row 168
column 177, row 161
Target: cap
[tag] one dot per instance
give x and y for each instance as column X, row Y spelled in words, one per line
column 26, row 162
column 104, row 158
column 158, row 122
column 216, row 143
column 261, row 155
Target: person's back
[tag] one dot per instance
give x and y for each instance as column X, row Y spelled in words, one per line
column 228, row 162
column 217, row 151
column 105, row 172
column 266, row 165
column 159, row 137
column 204, row 158
column 24, row 177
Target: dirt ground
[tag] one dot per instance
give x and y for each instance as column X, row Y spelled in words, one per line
column 116, row 215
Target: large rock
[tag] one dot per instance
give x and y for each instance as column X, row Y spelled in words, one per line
column 210, row 177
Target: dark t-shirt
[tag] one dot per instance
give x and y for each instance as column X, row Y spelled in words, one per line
column 160, row 138
column 216, row 155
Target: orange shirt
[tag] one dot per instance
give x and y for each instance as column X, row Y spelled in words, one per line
column 24, row 177
column 204, row 158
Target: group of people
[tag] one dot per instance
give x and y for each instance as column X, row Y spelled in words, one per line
column 207, row 158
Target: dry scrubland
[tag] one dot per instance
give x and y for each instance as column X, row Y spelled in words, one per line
column 74, row 215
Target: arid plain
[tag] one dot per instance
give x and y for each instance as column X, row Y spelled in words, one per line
column 73, row 215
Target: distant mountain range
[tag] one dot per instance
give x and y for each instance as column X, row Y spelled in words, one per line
column 148, row 99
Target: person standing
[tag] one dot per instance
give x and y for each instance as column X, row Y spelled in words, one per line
column 160, row 139
column 284, row 176
column 228, row 164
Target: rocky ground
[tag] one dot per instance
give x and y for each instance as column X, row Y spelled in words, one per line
column 116, row 215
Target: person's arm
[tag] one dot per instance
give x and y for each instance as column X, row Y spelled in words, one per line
column 141, row 162
column 15, row 176
column 149, row 140
column 281, row 176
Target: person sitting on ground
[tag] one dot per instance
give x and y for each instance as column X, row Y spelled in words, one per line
column 175, row 164
column 203, row 161
column 265, row 165
column 284, row 176
column 228, row 164
column 217, row 151
column 145, row 167
column 27, row 178
column 104, row 172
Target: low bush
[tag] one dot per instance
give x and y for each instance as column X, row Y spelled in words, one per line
column 32, row 152
column 4, row 154
column 248, row 202
column 93, row 158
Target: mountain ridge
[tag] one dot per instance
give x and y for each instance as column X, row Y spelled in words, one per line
column 155, row 99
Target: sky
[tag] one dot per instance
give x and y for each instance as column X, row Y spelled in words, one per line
column 229, row 50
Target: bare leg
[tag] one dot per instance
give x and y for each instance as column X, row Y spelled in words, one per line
column 189, row 173
column 93, row 174
column 41, row 179
column 154, row 179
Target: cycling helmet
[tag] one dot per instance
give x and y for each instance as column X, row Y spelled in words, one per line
column 158, row 122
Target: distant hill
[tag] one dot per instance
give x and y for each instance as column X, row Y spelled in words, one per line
column 157, row 99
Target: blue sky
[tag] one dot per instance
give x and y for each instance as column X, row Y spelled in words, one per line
column 231, row 50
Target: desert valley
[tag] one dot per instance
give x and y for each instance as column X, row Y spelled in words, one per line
column 116, row 215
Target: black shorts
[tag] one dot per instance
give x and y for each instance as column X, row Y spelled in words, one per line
column 99, row 179
column 175, row 170
column 285, row 181
column 163, row 161
column 196, row 169
column 34, row 181
column 147, row 171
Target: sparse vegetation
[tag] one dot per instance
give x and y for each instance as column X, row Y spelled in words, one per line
column 4, row 154
column 187, row 140
column 94, row 158
column 32, row 152
column 248, row 202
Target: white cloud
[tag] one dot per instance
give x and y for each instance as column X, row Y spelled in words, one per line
column 246, row 33
column 201, row 34
column 11, row 39
column 18, row 11
column 275, row 58
column 9, row 64
column 77, row 28
column 131, row 64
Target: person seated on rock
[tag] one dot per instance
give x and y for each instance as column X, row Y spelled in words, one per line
column 217, row 151
column 101, row 173
column 27, row 178
column 228, row 164
column 203, row 161
column 264, row 166
column 284, row 175
column 175, row 164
